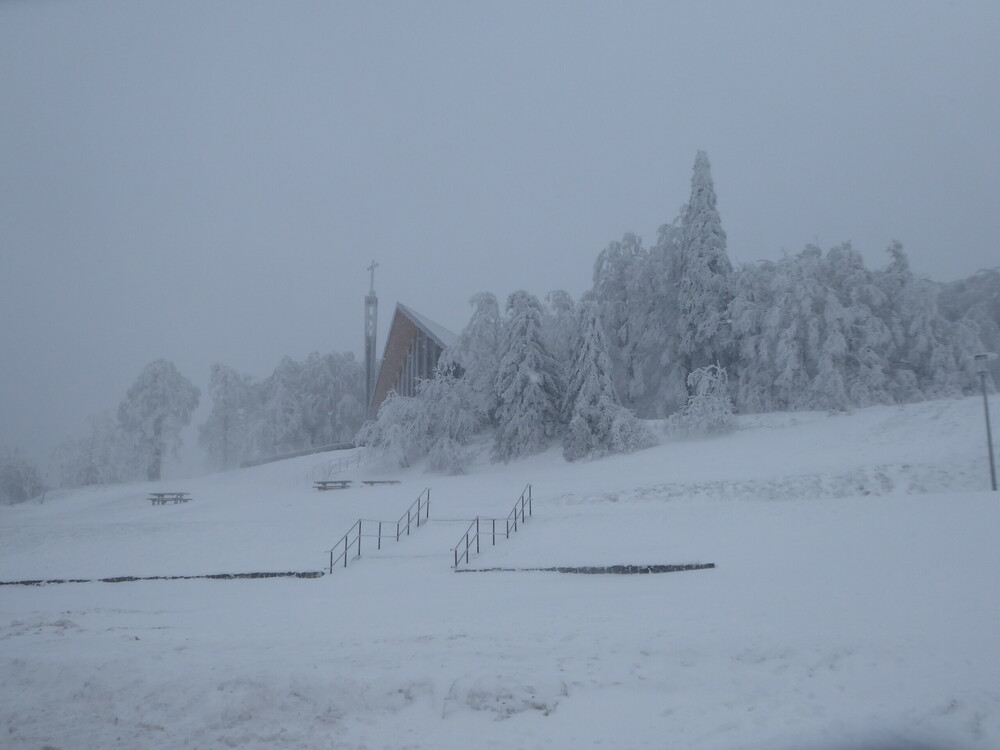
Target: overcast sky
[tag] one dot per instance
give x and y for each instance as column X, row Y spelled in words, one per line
column 207, row 181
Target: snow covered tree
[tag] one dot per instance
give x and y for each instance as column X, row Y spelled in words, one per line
column 475, row 350
column 702, row 270
column 753, row 312
column 977, row 300
column 866, row 336
column 623, row 290
column 598, row 423
column 226, row 432
column 332, row 397
column 20, row 479
column 930, row 355
column 278, row 427
column 793, row 328
column 657, row 312
column 708, row 410
column 559, row 325
column 302, row 405
column 527, row 388
column 396, row 430
column 821, row 331
column 438, row 422
column 155, row 410
column 939, row 352
column 828, row 389
column 449, row 416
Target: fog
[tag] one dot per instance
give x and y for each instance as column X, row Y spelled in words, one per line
column 208, row 181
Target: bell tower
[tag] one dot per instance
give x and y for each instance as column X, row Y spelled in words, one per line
column 371, row 324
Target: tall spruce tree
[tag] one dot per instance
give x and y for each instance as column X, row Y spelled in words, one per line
column 702, row 270
column 528, row 387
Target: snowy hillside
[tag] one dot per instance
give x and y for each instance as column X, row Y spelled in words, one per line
column 854, row 603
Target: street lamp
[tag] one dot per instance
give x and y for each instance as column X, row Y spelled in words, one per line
column 982, row 366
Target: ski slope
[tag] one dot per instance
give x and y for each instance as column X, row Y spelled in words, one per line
column 855, row 602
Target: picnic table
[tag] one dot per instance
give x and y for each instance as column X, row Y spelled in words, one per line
column 162, row 498
column 332, row 484
column 373, row 482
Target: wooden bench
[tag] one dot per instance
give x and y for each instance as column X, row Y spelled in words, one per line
column 162, row 498
column 373, row 482
column 332, row 484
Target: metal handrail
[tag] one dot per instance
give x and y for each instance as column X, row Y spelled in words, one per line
column 521, row 502
column 347, row 542
column 423, row 505
column 510, row 524
column 408, row 516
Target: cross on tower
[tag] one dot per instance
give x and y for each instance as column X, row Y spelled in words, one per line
column 372, row 268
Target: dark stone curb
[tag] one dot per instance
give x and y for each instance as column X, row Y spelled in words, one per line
column 596, row 570
column 124, row 579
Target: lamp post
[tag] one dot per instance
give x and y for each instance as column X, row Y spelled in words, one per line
column 982, row 367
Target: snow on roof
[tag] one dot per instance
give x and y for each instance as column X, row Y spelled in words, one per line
column 439, row 333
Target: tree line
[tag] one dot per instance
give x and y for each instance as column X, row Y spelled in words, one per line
column 676, row 331
column 301, row 405
column 673, row 331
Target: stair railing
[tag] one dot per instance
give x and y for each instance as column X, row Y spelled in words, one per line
column 421, row 507
column 422, row 503
column 475, row 531
column 525, row 499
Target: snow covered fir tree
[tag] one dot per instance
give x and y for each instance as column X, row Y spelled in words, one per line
column 596, row 422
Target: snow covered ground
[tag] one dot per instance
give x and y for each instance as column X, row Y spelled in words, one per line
column 855, row 602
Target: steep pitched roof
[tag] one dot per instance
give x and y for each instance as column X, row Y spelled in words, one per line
column 437, row 332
